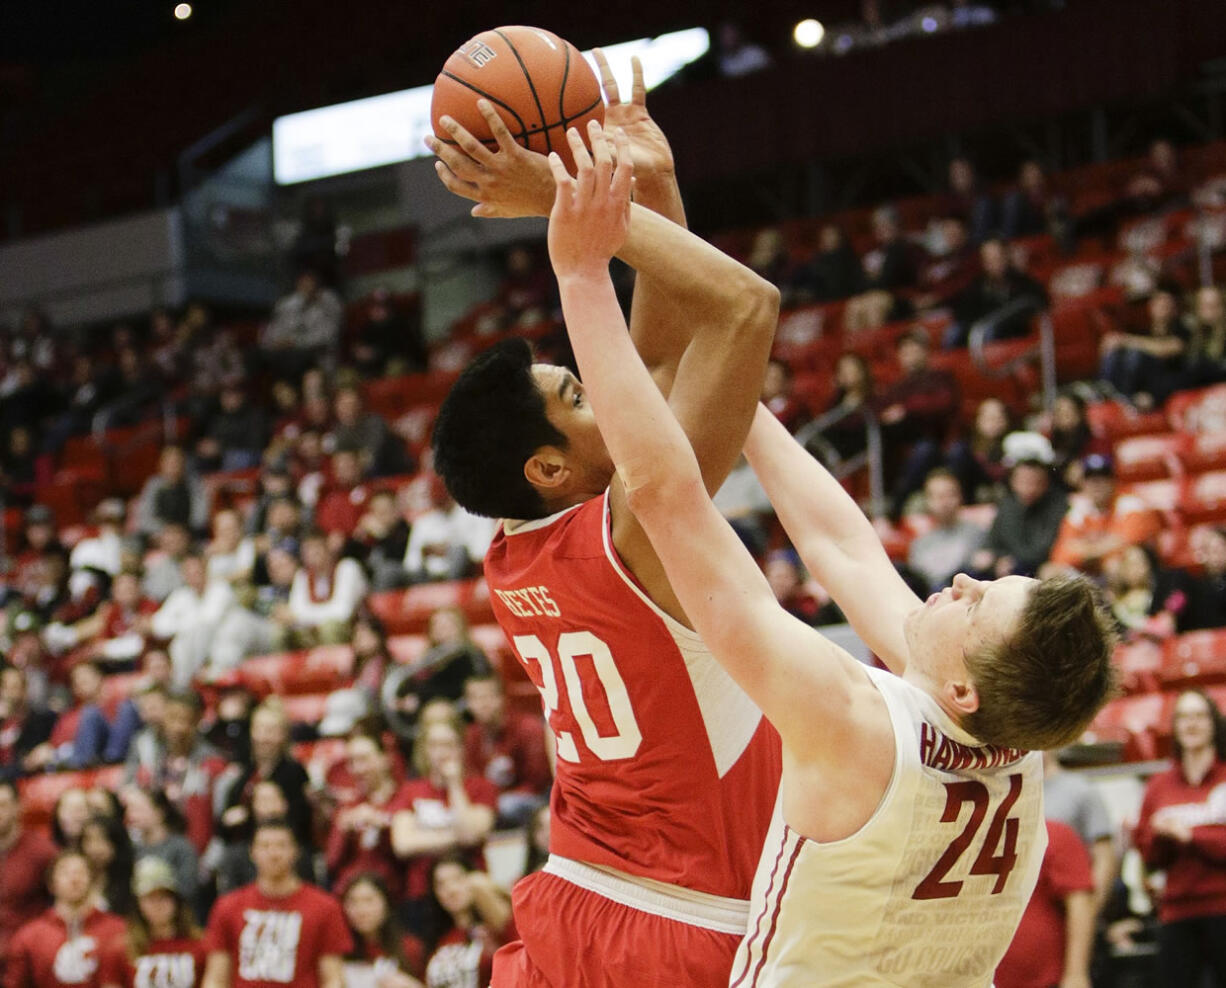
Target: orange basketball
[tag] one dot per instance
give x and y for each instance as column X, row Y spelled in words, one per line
column 539, row 83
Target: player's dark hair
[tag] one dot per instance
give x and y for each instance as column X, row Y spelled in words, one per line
column 11, row 786
column 490, row 423
column 1039, row 688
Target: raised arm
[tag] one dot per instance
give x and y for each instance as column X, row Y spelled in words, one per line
column 659, row 327
column 804, row 684
column 705, row 323
column 836, row 542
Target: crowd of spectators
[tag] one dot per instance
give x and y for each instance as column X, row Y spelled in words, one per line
column 170, row 591
column 176, row 587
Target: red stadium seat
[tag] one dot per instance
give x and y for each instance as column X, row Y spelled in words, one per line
column 1205, row 451
column 311, row 670
column 1204, row 499
column 1195, row 658
column 1139, row 665
column 308, row 709
column 1161, row 495
column 1141, row 724
column 39, row 793
column 1112, row 421
column 1149, row 457
column 408, row 611
column 1203, row 410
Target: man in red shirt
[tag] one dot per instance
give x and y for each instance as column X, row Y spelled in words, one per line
column 24, row 858
column 508, row 748
column 1052, row 943
column 62, row 946
column 279, row 930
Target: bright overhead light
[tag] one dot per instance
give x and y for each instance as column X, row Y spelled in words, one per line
column 183, row 11
column 808, row 33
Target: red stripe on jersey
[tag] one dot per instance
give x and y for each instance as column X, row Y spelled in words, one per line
column 783, row 888
column 757, row 923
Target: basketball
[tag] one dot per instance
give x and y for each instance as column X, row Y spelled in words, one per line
column 540, row 84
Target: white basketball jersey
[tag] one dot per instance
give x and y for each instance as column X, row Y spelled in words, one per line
column 929, row 892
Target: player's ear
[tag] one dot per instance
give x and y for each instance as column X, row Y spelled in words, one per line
column 547, row 469
column 963, row 697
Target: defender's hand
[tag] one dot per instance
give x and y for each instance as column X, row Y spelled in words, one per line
column 649, row 147
column 509, row 182
column 591, row 212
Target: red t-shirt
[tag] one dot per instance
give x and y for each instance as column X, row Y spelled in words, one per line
column 1196, row 871
column 23, row 882
column 466, row 957
column 513, row 758
column 1035, row 958
column 277, row 941
column 352, row 852
column 44, row 955
column 374, row 954
column 432, row 808
column 340, row 510
column 175, row 963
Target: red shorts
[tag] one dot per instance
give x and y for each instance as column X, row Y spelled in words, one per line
column 573, row 938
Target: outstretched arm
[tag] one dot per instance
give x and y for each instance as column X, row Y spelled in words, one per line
column 704, row 323
column 835, row 541
column 771, row 654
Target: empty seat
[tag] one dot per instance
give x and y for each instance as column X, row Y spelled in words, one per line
column 1140, row 665
column 1140, row 723
column 1149, row 457
column 1112, row 420
column 1204, row 498
column 1204, row 451
column 1195, row 659
column 408, row 611
column 308, row 709
column 1203, row 410
column 312, row 670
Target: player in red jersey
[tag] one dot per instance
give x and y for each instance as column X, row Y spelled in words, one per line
column 666, row 772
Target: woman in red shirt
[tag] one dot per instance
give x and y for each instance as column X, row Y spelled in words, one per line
column 163, row 945
column 1182, row 830
column 476, row 917
column 397, row 960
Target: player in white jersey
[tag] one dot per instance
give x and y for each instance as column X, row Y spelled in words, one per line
column 909, row 832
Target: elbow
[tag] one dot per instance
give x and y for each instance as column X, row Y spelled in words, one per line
column 664, row 496
column 758, row 300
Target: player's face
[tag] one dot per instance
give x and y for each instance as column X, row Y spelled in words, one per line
column 569, row 411
column 962, row 619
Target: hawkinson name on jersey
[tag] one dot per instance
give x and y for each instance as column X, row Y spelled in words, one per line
column 940, row 752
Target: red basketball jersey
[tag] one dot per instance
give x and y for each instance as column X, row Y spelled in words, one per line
column 665, row 768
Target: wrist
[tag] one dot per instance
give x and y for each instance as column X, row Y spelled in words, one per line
column 583, row 274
